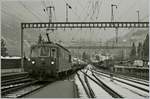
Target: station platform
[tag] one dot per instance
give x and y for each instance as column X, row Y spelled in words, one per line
column 58, row 89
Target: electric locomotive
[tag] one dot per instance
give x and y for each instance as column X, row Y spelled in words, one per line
column 48, row 61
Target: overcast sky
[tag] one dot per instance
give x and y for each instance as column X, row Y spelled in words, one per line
column 82, row 10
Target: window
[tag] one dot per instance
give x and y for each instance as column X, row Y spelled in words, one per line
column 53, row 52
column 35, row 52
column 44, row 51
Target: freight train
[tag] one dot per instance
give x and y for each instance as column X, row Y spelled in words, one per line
column 49, row 60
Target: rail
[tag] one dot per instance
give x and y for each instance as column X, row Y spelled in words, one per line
column 143, row 89
column 104, row 86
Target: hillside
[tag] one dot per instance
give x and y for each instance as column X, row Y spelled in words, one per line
column 135, row 36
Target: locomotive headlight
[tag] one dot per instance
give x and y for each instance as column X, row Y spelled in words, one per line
column 52, row 62
column 33, row 62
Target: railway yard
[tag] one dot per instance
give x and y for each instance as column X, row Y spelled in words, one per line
column 85, row 83
column 75, row 49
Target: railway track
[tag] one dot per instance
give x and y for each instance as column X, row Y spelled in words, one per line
column 6, row 90
column 15, row 81
column 104, row 86
column 21, row 87
column 18, row 84
column 141, row 88
column 87, row 88
column 20, row 90
column 11, row 76
column 142, row 82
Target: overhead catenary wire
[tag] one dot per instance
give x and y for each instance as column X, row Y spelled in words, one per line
column 84, row 10
column 44, row 7
column 29, row 10
column 128, row 10
column 67, row 2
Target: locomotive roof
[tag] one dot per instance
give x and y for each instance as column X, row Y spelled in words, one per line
column 50, row 44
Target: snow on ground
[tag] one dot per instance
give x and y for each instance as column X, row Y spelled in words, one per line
column 8, row 57
column 136, row 79
column 99, row 92
column 133, row 89
column 130, row 82
column 128, row 92
column 121, row 89
column 82, row 93
column 131, row 78
column 133, row 83
column 130, row 87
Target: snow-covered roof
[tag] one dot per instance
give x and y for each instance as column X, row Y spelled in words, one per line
column 8, row 57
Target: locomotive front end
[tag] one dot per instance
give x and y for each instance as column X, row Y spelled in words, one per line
column 42, row 62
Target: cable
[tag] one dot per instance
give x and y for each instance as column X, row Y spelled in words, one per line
column 10, row 14
column 6, row 12
column 128, row 10
column 83, row 8
column 73, row 10
column 98, row 9
column 44, row 6
column 29, row 10
column 88, row 13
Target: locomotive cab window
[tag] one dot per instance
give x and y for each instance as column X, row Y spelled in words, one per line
column 44, row 51
column 34, row 52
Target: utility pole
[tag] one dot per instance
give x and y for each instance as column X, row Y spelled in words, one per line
column 50, row 12
column 116, row 35
column 112, row 20
column 138, row 12
column 67, row 6
column 49, row 9
column 112, row 12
